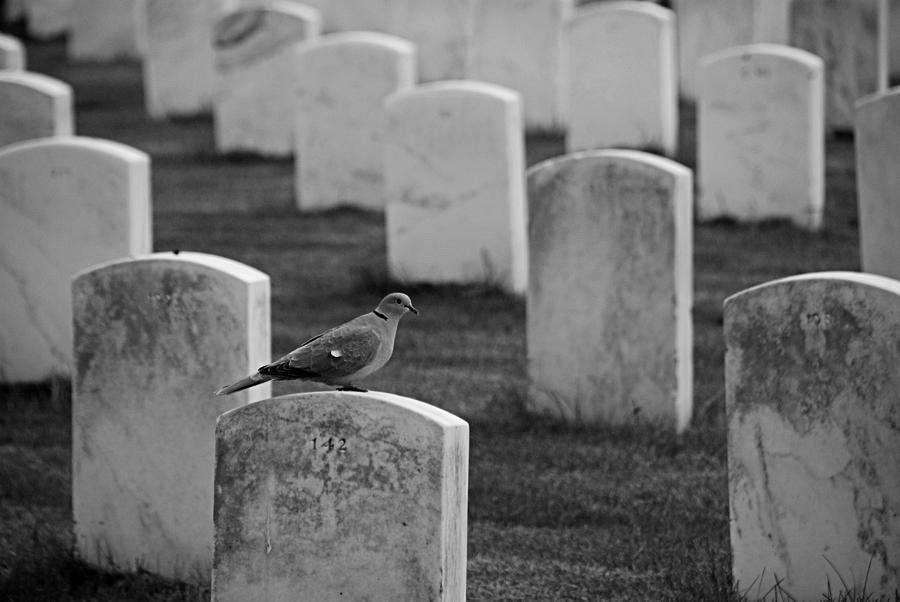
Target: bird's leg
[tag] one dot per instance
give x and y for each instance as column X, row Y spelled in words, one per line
column 349, row 387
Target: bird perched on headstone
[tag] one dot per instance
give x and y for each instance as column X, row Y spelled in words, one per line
column 340, row 355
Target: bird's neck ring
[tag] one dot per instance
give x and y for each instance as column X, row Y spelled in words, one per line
column 380, row 315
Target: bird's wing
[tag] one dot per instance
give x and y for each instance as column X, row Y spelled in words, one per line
column 335, row 353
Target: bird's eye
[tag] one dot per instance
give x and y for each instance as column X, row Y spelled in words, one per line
column 399, row 301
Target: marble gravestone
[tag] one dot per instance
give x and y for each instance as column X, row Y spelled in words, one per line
column 811, row 394
column 106, row 30
column 441, row 31
column 329, row 496
column 629, row 99
column 178, row 62
column 342, row 82
column 538, row 69
column 878, row 182
column 608, row 308
column 12, row 53
column 48, row 19
column 257, row 50
column 66, row 203
column 34, row 106
column 454, row 173
column 761, row 135
column 844, row 35
column 155, row 337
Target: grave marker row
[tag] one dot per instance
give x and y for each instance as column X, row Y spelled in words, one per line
column 34, row 106
column 12, row 53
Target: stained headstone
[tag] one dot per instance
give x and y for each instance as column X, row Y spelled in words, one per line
column 12, row 53
column 629, row 98
column 538, row 69
column 48, row 18
column 811, row 394
column 178, row 61
column 257, row 50
column 106, row 30
column 761, row 135
column 844, row 35
column 34, row 106
column 609, row 336
column 155, row 336
column 342, row 82
column 706, row 26
column 454, row 174
column 328, row 496
column 877, row 143
column 66, row 203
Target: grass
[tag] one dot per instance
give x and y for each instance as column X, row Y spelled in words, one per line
column 555, row 512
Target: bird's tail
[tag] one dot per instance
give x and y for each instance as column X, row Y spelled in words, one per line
column 244, row 383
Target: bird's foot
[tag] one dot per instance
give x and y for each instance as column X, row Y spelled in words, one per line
column 352, row 388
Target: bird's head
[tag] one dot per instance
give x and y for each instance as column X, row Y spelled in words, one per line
column 396, row 304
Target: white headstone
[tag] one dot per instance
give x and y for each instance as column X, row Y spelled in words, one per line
column 178, row 61
column 331, row 496
column 811, row 393
column 65, row 204
column 609, row 336
column 12, row 53
column 361, row 15
column 454, row 173
column 155, row 336
column 894, row 28
column 705, row 26
column 257, row 51
column 106, row 30
column 34, row 106
column 772, row 21
column 844, row 35
column 48, row 18
column 761, row 135
column 538, row 69
column 877, row 143
column 623, row 85
column 441, row 31
column 342, row 82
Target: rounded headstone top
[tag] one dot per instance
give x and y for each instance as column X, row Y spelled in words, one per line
column 122, row 152
column 636, row 7
column 43, row 83
column 608, row 155
column 364, row 39
column 773, row 51
column 216, row 263
column 884, row 283
column 456, row 88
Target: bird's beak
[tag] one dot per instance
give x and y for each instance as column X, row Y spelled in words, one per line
column 413, row 309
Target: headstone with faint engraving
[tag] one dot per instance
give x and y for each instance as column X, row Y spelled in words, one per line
column 34, row 106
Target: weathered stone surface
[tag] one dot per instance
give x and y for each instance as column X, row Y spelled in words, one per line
column 178, row 62
column 630, row 97
column 844, row 35
column 34, row 106
column 328, row 496
column 814, row 434
column 761, row 135
column 65, row 204
column 106, row 30
column 705, row 26
column 257, row 52
column 441, row 31
column 12, row 53
column 48, row 18
column 342, row 82
column 878, row 182
column 537, row 70
column 609, row 294
column 454, row 172
column 155, row 336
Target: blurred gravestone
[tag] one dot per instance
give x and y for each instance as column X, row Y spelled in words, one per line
column 844, row 35
column 454, row 173
column 48, row 18
column 342, row 82
column 877, row 143
column 705, row 26
column 257, row 49
column 630, row 97
column 328, row 496
column 360, row 15
column 609, row 292
column 761, row 135
column 65, row 204
column 106, row 30
column 155, row 336
column 34, row 106
column 538, row 69
column 441, row 31
column 12, row 53
column 811, row 394
column 178, row 61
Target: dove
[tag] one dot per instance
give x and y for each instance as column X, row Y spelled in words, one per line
column 340, row 355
